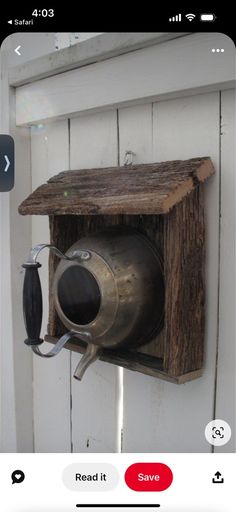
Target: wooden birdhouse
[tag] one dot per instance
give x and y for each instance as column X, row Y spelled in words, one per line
column 164, row 202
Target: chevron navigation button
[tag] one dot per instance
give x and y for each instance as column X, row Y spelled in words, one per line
column 6, row 163
column 16, row 50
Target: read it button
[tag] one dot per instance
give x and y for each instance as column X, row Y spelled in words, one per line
column 90, row 477
column 148, row 476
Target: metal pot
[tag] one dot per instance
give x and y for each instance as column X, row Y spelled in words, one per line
column 116, row 297
column 108, row 290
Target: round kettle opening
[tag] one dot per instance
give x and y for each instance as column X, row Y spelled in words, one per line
column 79, row 295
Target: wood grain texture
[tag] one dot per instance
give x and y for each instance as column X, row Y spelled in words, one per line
column 137, row 189
column 184, row 262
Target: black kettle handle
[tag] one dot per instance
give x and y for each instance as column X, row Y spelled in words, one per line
column 32, row 292
column 32, row 303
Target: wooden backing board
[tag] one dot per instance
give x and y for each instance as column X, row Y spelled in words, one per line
column 138, row 189
column 180, row 237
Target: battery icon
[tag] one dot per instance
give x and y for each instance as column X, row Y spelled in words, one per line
column 207, row 17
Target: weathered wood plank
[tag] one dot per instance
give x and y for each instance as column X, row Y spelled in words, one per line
column 137, row 189
column 184, row 269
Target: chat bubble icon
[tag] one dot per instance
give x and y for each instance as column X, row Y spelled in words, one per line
column 18, row 476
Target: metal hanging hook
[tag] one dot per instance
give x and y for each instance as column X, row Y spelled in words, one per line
column 128, row 158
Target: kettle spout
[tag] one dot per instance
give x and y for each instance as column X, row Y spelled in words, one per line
column 92, row 353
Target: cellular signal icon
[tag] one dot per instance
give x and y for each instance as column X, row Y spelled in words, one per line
column 178, row 17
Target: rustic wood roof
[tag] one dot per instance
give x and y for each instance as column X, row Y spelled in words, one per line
column 136, row 189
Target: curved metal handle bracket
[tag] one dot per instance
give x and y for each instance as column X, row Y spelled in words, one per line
column 32, row 259
column 57, row 347
column 60, row 344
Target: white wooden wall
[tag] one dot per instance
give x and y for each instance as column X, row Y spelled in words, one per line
column 155, row 416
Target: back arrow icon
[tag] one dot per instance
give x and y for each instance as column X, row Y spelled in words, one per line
column 7, row 163
column 17, row 50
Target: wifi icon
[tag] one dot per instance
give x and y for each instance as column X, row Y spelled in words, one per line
column 190, row 17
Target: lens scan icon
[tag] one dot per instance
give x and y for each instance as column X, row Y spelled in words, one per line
column 218, row 432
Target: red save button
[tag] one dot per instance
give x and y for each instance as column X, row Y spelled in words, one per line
column 148, row 476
